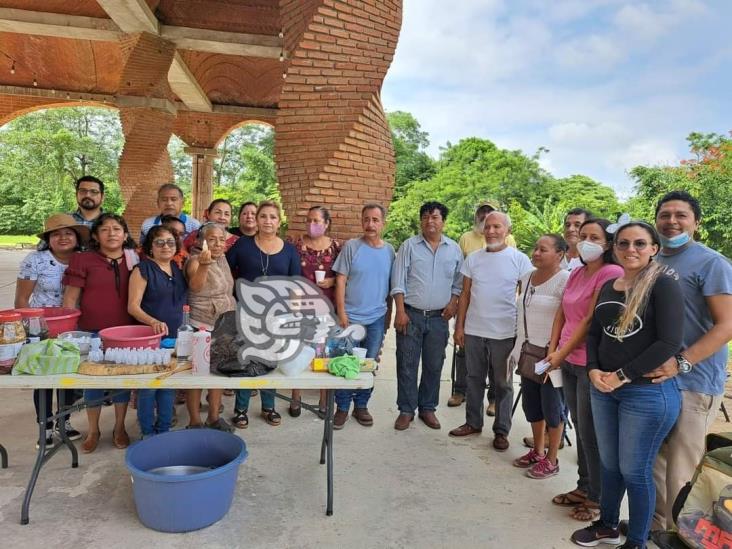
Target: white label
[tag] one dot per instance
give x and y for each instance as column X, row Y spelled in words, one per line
column 9, row 352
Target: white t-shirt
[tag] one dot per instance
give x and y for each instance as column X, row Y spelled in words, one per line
column 494, row 276
column 542, row 302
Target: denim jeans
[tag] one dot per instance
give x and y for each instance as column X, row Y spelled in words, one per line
column 577, row 396
column 481, row 354
column 96, row 394
column 372, row 343
column 425, row 337
column 631, row 423
column 243, row 396
column 147, row 401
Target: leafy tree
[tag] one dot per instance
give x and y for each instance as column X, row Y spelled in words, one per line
column 410, row 142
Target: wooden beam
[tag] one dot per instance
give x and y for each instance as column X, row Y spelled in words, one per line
column 229, row 43
column 61, row 26
column 131, row 15
column 185, row 86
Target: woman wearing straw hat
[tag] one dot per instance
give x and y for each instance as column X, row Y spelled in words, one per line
column 39, row 285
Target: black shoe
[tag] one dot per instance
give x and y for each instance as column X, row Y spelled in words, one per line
column 71, row 433
column 623, row 527
column 49, row 439
column 595, row 534
column 630, row 545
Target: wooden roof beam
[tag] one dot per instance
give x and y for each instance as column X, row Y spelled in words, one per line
column 229, row 43
column 131, row 15
column 61, row 26
column 185, row 86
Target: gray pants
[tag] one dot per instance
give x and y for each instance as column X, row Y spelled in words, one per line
column 461, row 375
column 482, row 354
column 576, row 386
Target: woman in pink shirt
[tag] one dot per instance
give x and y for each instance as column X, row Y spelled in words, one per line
column 567, row 350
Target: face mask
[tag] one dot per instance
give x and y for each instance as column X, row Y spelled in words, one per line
column 589, row 251
column 316, row 230
column 675, row 241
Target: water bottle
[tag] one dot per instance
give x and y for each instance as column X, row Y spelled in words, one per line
column 184, row 340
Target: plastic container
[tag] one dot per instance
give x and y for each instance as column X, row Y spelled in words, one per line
column 130, row 336
column 34, row 323
column 201, row 355
column 12, row 338
column 297, row 365
column 187, row 501
column 70, row 336
column 60, row 319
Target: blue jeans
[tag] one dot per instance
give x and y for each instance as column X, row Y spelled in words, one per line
column 243, row 396
column 147, row 401
column 95, row 394
column 372, row 343
column 425, row 337
column 630, row 424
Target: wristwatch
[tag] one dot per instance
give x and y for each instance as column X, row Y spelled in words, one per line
column 621, row 376
column 684, row 365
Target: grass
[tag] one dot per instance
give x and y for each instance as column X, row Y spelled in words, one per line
column 13, row 239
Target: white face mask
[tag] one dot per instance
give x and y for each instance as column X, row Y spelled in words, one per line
column 589, row 251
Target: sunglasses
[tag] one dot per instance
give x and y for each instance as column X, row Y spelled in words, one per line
column 160, row 243
column 639, row 245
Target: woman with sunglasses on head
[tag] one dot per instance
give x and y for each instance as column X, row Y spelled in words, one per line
column 96, row 282
column 158, row 291
column 635, row 329
column 567, row 351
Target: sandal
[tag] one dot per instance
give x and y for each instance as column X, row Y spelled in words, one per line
column 586, row 512
column 570, row 499
column 120, row 441
column 90, row 442
column 271, row 417
column 240, row 419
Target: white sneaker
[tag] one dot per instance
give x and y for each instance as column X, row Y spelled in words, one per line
column 49, row 439
column 71, row 433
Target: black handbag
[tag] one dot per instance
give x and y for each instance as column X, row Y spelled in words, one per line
column 225, row 344
column 530, row 353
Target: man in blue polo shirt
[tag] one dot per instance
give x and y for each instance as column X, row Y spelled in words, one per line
column 170, row 202
column 701, row 367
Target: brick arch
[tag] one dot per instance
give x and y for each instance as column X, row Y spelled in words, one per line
column 241, row 124
column 12, row 107
column 333, row 144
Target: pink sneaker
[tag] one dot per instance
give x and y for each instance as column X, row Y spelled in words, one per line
column 543, row 469
column 530, row 458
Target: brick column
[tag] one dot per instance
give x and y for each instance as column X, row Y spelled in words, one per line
column 201, row 178
column 333, row 145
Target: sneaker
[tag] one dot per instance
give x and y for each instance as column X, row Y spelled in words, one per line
column 595, row 534
column 630, row 545
column 528, row 459
column 71, row 433
column 456, row 400
column 543, row 469
column 49, row 439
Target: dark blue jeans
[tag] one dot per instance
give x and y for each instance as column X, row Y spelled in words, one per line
column 147, row 401
column 630, row 424
column 243, row 396
column 96, row 394
column 426, row 337
column 372, row 343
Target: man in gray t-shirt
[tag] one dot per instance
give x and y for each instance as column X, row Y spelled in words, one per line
column 701, row 367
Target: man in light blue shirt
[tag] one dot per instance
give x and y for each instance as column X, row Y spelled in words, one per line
column 362, row 297
column 426, row 284
column 170, row 202
column 701, row 367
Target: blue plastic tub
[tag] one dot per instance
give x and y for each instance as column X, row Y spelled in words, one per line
column 185, row 502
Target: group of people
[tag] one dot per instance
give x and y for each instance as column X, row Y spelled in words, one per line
column 635, row 316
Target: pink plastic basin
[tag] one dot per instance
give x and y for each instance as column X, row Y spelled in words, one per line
column 130, row 336
column 60, row 319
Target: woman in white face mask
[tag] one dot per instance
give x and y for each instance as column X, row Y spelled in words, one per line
column 567, row 351
column 318, row 253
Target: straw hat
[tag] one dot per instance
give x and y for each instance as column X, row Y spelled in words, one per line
column 64, row 221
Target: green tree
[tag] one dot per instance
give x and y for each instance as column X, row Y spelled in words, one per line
column 42, row 153
column 412, row 162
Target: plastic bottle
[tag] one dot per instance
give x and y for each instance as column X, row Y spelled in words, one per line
column 184, row 341
column 201, row 360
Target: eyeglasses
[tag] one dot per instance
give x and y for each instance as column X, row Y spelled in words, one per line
column 160, row 243
column 639, row 245
column 92, row 192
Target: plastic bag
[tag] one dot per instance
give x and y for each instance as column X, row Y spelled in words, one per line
column 297, row 365
column 46, row 358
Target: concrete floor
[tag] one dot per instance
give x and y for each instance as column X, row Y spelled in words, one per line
column 417, row 488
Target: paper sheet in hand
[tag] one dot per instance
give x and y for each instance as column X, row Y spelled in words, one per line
column 541, row 367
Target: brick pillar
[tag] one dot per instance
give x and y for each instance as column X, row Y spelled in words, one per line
column 144, row 164
column 333, row 145
column 201, row 178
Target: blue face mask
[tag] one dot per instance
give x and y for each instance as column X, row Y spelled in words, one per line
column 675, row 241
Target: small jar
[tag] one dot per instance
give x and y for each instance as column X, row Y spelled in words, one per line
column 34, row 324
column 12, row 338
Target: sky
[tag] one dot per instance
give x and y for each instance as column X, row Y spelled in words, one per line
column 605, row 85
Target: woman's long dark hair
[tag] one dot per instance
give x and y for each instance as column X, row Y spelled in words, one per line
column 607, row 257
column 94, row 243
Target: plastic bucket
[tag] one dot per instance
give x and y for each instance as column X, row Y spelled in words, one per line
column 60, row 319
column 134, row 337
column 190, row 500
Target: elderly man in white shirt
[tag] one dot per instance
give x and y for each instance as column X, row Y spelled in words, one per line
column 486, row 326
